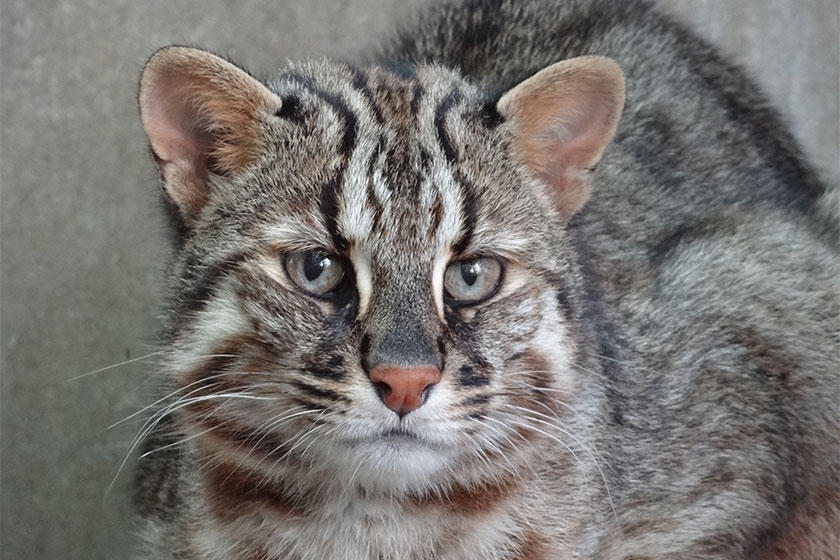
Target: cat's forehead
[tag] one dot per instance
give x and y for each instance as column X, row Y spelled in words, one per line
column 395, row 89
column 391, row 175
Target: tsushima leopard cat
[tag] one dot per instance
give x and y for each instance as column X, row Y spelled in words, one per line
column 537, row 280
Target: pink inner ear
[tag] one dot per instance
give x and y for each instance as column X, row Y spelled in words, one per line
column 202, row 115
column 181, row 146
column 172, row 123
column 567, row 143
column 566, row 115
column 576, row 135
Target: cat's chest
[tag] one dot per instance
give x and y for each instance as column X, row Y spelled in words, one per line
column 369, row 529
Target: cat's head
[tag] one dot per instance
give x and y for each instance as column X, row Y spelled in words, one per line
column 371, row 272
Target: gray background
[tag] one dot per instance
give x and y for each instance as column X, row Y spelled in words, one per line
column 82, row 242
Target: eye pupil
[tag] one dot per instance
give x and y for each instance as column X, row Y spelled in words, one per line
column 471, row 281
column 314, row 265
column 315, row 272
column 469, row 272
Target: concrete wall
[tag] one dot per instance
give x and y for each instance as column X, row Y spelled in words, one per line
column 82, row 241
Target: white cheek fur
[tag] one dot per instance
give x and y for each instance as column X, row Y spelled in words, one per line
column 220, row 320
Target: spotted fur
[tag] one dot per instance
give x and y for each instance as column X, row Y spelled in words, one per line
column 656, row 376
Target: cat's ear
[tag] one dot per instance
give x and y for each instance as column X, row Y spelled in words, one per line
column 202, row 116
column 564, row 117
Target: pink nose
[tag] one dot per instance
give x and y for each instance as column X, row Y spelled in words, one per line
column 404, row 388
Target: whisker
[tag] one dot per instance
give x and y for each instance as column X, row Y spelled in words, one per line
column 528, row 416
column 494, row 447
column 612, row 360
column 184, row 388
column 300, row 438
column 153, row 421
column 112, row 366
column 276, row 422
column 184, row 440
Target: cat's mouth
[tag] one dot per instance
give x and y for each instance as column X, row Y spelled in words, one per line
column 396, row 434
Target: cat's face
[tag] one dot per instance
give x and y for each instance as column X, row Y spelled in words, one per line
column 378, row 292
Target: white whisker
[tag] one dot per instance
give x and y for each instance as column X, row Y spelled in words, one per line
column 112, row 366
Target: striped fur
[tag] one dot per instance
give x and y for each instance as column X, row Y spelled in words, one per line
column 655, row 378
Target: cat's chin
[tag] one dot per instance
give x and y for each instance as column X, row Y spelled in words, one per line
column 392, row 462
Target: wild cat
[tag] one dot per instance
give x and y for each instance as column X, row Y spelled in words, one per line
column 540, row 280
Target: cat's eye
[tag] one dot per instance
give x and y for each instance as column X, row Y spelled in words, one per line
column 316, row 273
column 471, row 281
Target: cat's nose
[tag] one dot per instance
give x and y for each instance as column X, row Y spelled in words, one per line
column 404, row 388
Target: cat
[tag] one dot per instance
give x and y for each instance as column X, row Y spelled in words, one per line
column 536, row 280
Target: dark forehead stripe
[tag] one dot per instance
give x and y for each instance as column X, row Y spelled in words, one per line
column 402, row 161
column 392, row 98
column 330, row 192
column 290, row 110
column 348, row 139
column 400, row 166
column 424, row 160
column 437, row 216
column 332, row 189
column 372, row 199
column 416, row 97
column 489, row 113
column 329, row 209
column 469, row 202
column 360, row 84
column 469, row 212
column 441, row 112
